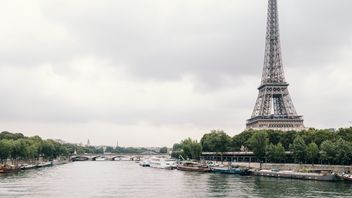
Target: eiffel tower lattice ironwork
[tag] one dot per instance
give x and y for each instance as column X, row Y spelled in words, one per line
column 274, row 108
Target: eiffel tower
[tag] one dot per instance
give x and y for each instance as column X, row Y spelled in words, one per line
column 274, row 108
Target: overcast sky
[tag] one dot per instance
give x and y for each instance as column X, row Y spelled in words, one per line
column 150, row 73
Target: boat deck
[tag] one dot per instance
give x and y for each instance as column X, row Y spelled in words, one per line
column 296, row 175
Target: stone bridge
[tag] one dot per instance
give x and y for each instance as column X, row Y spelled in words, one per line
column 110, row 156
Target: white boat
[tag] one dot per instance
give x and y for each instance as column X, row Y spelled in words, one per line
column 212, row 164
column 162, row 162
column 44, row 164
column 144, row 163
column 347, row 177
column 28, row 166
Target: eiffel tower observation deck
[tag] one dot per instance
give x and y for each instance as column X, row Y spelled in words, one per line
column 274, row 108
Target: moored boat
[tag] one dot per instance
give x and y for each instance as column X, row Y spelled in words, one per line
column 162, row 162
column 318, row 175
column 9, row 169
column 44, row 164
column 28, row 166
column 230, row 170
column 193, row 166
column 346, row 177
column 144, row 163
column 212, row 164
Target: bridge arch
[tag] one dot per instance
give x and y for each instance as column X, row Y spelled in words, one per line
column 79, row 158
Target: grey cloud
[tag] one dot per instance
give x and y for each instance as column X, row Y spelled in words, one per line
column 165, row 40
column 315, row 32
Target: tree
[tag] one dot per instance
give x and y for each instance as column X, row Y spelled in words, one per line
column 48, row 149
column 163, row 150
column 176, row 147
column 287, row 139
column 274, row 136
column 345, row 134
column 11, row 136
column 270, row 152
column 16, row 151
column 299, row 149
column 109, row 149
column 33, row 151
column 258, row 143
column 31, row 148
column 177, row 150
column 312, row 152
column 189, row 148
column 275, row 153
column 280, row 153
column 343, row 152
column 327, row 151
column 5, row 150
column 70, row 148
column 323, row 135
column 24, row 149
column 216, row 141
column 241, row 140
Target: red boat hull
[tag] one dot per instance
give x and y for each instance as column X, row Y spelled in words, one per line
column 9, row 170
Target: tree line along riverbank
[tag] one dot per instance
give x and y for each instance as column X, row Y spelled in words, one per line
column 15, row 148
column 315, row 146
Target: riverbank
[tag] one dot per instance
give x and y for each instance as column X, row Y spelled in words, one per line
column 27, row 165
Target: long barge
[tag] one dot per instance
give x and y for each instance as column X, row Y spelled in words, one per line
column 317, row 175
column 193, row 166
column 230, row 170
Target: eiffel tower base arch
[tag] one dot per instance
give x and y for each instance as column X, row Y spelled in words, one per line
column 294, row 123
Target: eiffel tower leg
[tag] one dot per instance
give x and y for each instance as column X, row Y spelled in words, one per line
column 289, row 104
column 257, row 106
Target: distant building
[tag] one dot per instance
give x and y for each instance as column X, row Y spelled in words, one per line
column 332, row 130
column 60, row 141
column 88, row 143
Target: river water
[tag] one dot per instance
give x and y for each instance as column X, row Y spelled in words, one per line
column 128, row 179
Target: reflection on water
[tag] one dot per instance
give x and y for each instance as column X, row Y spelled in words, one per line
column 218, row 186
column 128, row 179
column 270, row 187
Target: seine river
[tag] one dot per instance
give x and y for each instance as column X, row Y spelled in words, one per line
column 128, row 179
